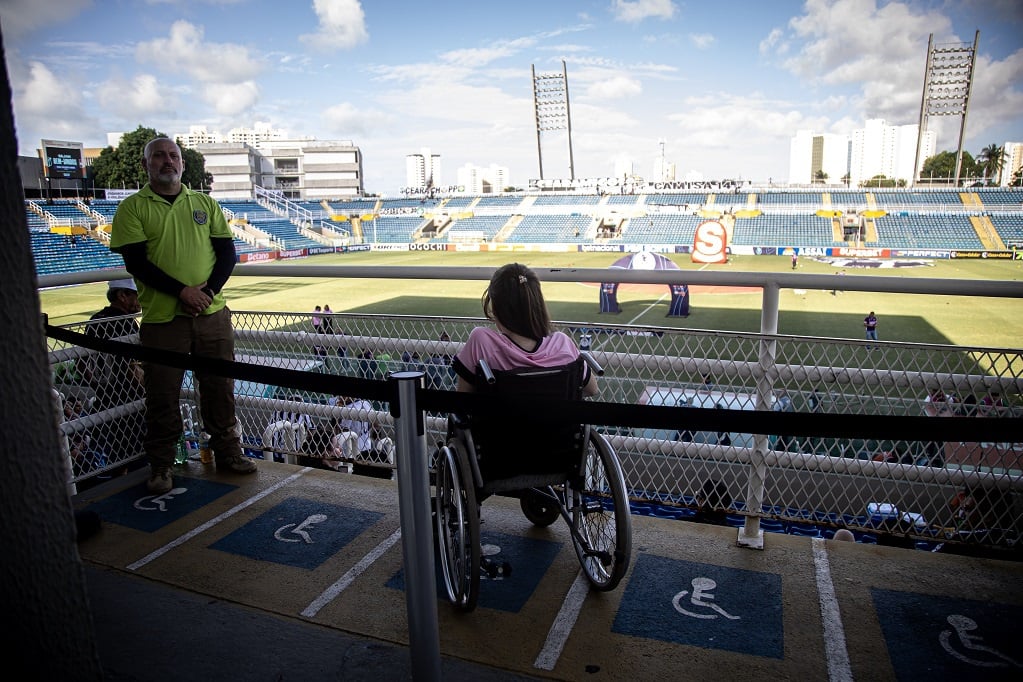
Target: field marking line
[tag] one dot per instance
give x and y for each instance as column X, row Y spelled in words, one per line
column 215, row 520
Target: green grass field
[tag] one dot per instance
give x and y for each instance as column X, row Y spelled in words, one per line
column 964, row 321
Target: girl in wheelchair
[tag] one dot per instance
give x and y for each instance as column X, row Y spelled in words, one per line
column 523, row 336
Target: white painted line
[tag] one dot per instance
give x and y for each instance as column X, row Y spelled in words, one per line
column 563, row 624
column 646, row 310
column 215, row 520
column 839, row 669
column 329, row 594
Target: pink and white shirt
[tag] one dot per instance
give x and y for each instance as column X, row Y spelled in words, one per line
column 501, row 353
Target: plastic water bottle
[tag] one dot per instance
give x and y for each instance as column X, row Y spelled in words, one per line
column 181, row 450
column 205, row 454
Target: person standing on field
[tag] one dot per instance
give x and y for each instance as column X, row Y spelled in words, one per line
column 177, row 245
column 870, row 325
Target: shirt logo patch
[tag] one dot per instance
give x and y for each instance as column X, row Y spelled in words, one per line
column 199, row 217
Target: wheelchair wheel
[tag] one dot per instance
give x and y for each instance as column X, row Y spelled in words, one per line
column 602, row 526
column 541, row 509
column 458, row 526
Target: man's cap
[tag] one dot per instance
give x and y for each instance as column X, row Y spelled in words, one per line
column 123, row 284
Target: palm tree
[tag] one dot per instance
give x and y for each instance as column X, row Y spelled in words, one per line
column 992, row 159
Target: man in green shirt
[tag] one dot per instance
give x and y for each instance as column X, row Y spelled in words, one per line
column 178, row 246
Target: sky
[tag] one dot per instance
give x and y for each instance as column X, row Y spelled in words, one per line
column 716, row 88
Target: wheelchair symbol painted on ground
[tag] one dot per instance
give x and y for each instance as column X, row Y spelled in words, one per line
column 299, row 530
column 961, row 643
column 158, row 502
column 702, row 599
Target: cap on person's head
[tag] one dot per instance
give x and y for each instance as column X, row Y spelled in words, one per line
column 128, row 284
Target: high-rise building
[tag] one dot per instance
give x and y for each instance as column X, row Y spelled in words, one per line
column 422, row 170
column 881, row 149
column 875, row 149
column 476, row 180
column 1012, row 161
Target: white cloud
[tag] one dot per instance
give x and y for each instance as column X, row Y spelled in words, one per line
column 44, row 91
column 185, row 50
column 638, row 10
column 702, row 40
column 230, row 99
column 616, row 87
column 997, row 96
column 134, row 99
column 342, row 25
column 48, row 105
column 346, row 120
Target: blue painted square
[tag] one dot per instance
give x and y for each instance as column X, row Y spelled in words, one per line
column 530, row 559
column 713, row 607
column 298, row 532
column 943, row 638
column 138, row 508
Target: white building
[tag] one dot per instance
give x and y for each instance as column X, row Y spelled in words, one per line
column 880, row 149
column 476, row 180
column 1012, row 157
column 302, row 169
column 198, row 135
column 423, row 169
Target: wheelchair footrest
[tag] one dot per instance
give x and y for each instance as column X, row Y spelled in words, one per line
column 495, row 570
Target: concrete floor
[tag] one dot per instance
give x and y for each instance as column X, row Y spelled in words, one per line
column 296, row 574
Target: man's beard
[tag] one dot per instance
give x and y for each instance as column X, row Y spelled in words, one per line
column 168, row 178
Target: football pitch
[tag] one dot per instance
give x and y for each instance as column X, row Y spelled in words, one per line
column 963, row 321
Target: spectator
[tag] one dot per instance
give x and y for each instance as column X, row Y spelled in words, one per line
column 328, row 320
column 178, row 246
column 991, row 405
column 523, row 334
column 317, row 320
column 116, row 379
column 684, row 435
column 359, row 440
column 844, row 535
column 712, row 502
column 723, row 437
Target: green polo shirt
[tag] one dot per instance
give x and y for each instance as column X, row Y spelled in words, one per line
column 177, row 238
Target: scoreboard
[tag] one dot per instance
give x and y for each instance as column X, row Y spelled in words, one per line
column 63, row 160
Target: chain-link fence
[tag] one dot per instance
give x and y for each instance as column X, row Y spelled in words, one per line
column 914, row 490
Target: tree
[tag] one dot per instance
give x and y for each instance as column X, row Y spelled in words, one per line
column 122, row 167
column 846, row 179
column 881, row 181
column 941, row 168
column 990, row 162
column 820, row 177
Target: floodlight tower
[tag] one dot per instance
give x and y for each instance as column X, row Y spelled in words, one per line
column 550, row 102
column 948, row 83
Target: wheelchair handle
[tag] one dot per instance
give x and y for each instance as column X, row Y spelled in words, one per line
column 594, row 365
column 488, row 374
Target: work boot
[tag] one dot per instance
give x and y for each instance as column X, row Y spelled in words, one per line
column 159, row 480
column 239, row 464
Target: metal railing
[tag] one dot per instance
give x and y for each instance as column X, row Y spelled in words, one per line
column 876, row 482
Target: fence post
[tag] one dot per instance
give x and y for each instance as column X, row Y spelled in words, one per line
column 750, row 535
column 416, row 528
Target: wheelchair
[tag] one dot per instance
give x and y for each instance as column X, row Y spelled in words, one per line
column 556, row 469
